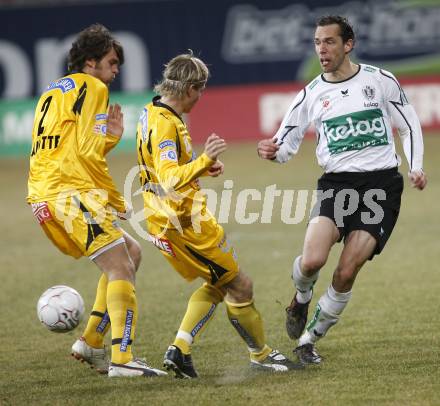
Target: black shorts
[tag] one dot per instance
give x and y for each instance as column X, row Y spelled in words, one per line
column 367, row 201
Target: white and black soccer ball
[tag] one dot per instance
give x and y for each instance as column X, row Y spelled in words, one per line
column 60, row 308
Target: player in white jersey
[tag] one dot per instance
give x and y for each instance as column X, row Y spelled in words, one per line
column 353, row 107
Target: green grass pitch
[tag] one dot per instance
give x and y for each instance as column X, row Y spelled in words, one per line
column 385, row 349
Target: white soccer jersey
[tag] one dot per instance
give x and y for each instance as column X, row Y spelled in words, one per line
column 353, row 121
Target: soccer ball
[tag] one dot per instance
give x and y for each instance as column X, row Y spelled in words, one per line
column 60, row 308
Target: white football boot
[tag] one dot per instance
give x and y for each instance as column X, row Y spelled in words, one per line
column 95, row 357
column 276, row 362
column 137, row 367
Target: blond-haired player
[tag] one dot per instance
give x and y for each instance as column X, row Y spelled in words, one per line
column 75, row 200
column 180, row 225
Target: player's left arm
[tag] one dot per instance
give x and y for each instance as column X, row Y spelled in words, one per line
column 405, row 119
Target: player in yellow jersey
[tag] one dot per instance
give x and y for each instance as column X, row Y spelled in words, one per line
column 180, row 225
column 75, row 200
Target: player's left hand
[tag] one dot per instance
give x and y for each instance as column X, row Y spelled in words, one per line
column 115, row 120
column 216, row 169
column 418, row 179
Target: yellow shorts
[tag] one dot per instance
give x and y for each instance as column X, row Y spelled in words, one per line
column 79, row 224
column 207, row 254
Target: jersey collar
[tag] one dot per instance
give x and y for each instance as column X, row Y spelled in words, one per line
column 341, row 81
column 158, row 103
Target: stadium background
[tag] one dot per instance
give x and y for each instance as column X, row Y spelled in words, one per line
column 260, row 54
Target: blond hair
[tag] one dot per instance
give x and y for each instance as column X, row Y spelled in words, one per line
column 182, row 72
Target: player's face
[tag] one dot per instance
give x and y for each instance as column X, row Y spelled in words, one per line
column 330, row 48
column 192, row 97
column 107, row 68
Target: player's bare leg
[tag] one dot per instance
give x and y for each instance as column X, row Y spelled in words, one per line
column 359, row 246
column 321, row 235
column 134, row 249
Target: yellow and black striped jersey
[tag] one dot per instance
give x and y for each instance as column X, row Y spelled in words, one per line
column 169, row 168
column 70, row 141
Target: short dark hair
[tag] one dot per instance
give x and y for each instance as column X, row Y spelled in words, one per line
column 94, row 42
column 346, row 29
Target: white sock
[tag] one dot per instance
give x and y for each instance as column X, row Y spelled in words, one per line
column 327, row 313
column 303, row 284
column 306, row 338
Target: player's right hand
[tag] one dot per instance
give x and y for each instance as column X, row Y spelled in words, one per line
column 267, row 148
column 214, row 146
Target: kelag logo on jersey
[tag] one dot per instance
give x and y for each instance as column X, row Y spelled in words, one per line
column 355, row 131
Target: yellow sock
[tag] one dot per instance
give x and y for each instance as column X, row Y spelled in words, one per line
column 99, row 320
column 201, row 306
column 122, row 308
column 246, row 319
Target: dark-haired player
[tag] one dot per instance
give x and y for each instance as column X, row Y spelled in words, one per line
column 75, row 200
column 352, row 107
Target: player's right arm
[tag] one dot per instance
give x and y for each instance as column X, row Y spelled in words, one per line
column 54, row 124
column 287, row 140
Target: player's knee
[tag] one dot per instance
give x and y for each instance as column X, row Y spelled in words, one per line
column 345, row 276
column 310, row 264
column 240, row 289
column 248, row 287
column 130, row 270
column 123, row 270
